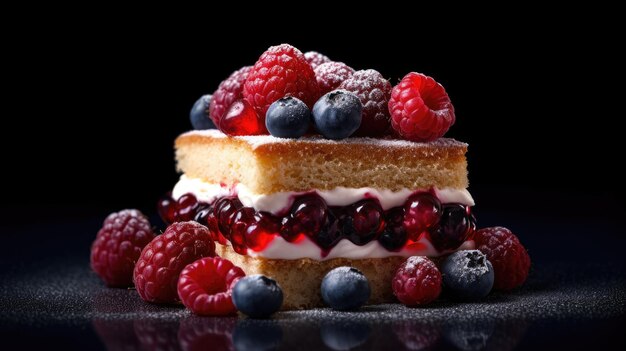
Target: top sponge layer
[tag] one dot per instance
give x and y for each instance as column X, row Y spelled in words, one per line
column 266, row 164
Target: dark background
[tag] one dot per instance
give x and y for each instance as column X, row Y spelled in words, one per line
column 101, row 104
column 93, row 107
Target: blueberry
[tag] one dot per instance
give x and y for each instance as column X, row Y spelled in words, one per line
column 345, row 288
column 257, row 296
column 288, row 117
column 467, row 275
column 199, row 114
column 337, row 114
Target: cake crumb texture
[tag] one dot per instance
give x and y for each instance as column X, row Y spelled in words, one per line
column 266, row 164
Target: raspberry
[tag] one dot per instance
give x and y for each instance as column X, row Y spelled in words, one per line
column 330, row 75
column 281, row 70
column 229, row 91
column 417, row 281
column 507, row 255
column 420, row 108
column 374, row 92
column 118, row 246
column 162, row 260
column 205, row 286
column 315, row 59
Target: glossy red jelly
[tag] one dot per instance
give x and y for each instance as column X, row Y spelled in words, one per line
column 241, row 119
column 447, row 226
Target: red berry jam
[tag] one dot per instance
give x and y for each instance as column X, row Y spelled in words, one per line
column 167, row 208
column 394, row 236
column 447, row 226
column 422, row 211
column 456, row 226
column 262, row 231
column 363, row 222
column 186, row 208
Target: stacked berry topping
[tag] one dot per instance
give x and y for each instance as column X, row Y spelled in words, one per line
column 275, row 96
column 289, row 94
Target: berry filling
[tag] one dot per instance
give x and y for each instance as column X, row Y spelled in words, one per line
column 446, row 226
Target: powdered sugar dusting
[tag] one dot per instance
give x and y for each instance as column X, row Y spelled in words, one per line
column 414, row 261
column 330, row 75
column 334, row 69
column 365, row 80
column 315, row 59
column 256, row 141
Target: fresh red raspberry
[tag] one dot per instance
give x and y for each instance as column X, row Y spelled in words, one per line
column 420, row 108
column 205, row 286
column 374, row 92
column 281, row 70
column 229, row 91
column 162, row 260
column 417, row 281
column 330, row 75
column 118, row 246
column 507, row 255
column 315, row 59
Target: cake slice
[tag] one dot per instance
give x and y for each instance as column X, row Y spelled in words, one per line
column 294, row 209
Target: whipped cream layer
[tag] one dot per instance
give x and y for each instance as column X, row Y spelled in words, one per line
column 276, row 203
column 280, row 248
